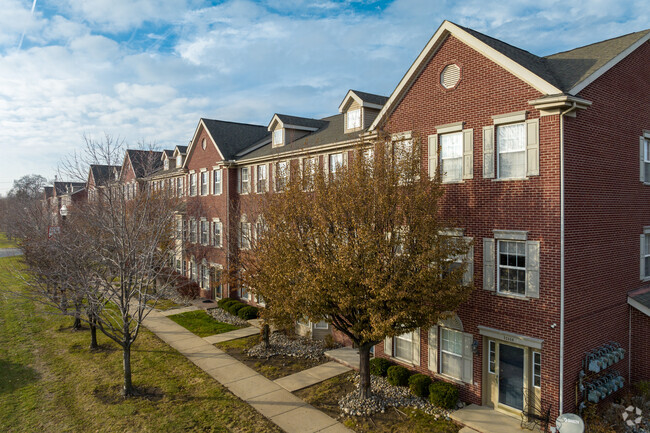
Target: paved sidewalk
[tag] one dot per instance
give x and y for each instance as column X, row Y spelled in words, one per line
column 311, row 376
column 181, row 310
column 232, row 335
column 274, row 402
column 10, row 252
column 346, row 356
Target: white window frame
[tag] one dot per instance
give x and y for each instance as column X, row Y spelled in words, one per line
column 333, row 165
column 179, row 161
column 204, row 229
column 166, row 164
column 410, row 340
column 205, row 183
column 244, row 293
column 321, row 325
column 245, row 235
column 537, row 378
column 193, row 186
column 499, row 152
column 179, row 187
column 205, row 276
column 278, row 137
column 244, row 180
column 217, row 181
column 355, row 116
column 282, row 176
column 262, row 178
column 499, row 266
column 193, row 231
column 309, row 168
column 492, row 357
column 442, row 138
column 458, row 357
column 217, row 233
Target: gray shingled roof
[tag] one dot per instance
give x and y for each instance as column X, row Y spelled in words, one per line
column 61, row 188
column 144, row 162
column 300, row 121
column 232, row 137
column 104, row 173
column 566, row 69
column 370, row 97
column 169, row 153
column 574, row 66
column 331, row 132
column 182, row 149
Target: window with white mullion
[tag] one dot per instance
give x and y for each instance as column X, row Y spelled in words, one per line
column 204, row 182
column 537, row 369
column 281, row 175
column 192, row 184
column 492, row 366
column 262, row 178
column 193, row 231
column 511, row 276
column 354, row 118
column 511, row 148
column 404, row 346
column 216, row 182
column 335, row 163
column 244, row 179
column 204, row 232
column 451, row 353
column 646, row 159
column 277, row 136
column 451, row 156
column 216, row 234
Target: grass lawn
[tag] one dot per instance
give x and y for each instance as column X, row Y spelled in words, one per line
column 6, row 243
column 163, row 304
column 50, row 381
column 272, row 368
column 325, row 396
column 201, row 323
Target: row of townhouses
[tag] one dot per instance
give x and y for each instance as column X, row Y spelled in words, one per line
column 546, row 169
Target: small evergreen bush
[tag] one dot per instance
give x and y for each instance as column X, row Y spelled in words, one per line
column 398, row 375
column 380, row 366
column 248, row 313
column 443, row 394
column 235, row 307
column 222, row 301
column 228, row 302
column 419, row 385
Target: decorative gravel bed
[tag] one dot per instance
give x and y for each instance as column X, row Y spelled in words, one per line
column 222, row 315
column 280, row 344
column 384, row 395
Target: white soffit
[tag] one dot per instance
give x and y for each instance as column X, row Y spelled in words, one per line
column 447, row 28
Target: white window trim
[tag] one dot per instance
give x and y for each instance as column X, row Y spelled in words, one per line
column 497, row 152
column 440, row 136
column 532, row 370
column 242, row 190
column 275, row 135
column 499, row 266
column 214, row 176
column 216, row 222
column 347, row 119
column 394, row 348
column 441, row 351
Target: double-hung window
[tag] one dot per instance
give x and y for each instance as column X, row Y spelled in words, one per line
column 404, row 346
column 277, row 137
column 184, row 230
column 645, row 159
column 245, row 235
column 244, row 180
column 205, row 176
column 179, row 186
column 205, row 276
column 216, row 234
column 451, row 156
column 309, row 166
column 511, row 276
column 216, row 179
column 281, row 175
column 179, row 229
column 354, row 118
column 193, row 271
column 335, row 163
column 511, row 149
column 244, row 293
column 205, row 232
column 451, row 353
column 645, row 254
column 262, row 178
column 192, row 184
column 193, row 231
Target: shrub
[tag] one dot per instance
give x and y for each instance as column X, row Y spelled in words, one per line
column 248, row 313
column 419, row 385
column 380, row 366
column 228, row 302
column 187, row 288
column 443, row 394
column 398, row 375
column 221, row 302
column 235, row 307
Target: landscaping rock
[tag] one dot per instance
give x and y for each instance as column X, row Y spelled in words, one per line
column 280, row 344
column 384, row 395
column 223, row 316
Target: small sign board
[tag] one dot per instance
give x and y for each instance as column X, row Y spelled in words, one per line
column 53, row 231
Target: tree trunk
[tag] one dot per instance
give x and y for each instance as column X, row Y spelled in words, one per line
column 77, row 324
column 127, row 389
column 77, row 321
column 266, row 335
column 364, row 370
column 93, row 334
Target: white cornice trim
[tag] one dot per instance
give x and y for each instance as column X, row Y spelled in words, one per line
column 609, row 65
column 639, row 306
column 361, row 102
column 447, row 28
column 511, row 337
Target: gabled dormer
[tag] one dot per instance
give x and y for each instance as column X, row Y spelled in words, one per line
column 168, row 159
column 360, row 109
column 179, row 155
column 285, row 129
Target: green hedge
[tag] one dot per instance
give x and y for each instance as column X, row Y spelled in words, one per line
column 248, row 312
column 443, row 394
column 419, row 385
column 235, row 307
column 380, row 366
column 221, row 302
column 398, row 375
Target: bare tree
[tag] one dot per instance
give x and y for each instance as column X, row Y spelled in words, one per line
column 362, row 248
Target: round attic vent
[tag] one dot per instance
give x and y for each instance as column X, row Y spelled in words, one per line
column 450, row 76
column 203, row 145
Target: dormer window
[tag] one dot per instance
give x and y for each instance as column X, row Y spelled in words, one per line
column 277, row 137
column 179, row 160
column 166, row 163
column 354, row 118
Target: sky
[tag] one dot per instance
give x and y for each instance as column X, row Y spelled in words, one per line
column 147, row 70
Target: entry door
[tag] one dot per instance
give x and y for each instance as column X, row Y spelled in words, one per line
column 511, row 376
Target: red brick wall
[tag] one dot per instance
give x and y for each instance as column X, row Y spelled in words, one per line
column 606, row 209
column 640, row 352
column 482, row 205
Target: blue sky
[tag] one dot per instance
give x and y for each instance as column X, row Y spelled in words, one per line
column 147, row 70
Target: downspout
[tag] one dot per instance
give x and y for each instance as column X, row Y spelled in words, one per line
column 561, row 397
column 227, row 225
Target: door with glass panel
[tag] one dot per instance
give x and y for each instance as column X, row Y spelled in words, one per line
column 511, row 376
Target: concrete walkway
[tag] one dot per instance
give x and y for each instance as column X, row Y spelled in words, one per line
column 346, row 356
column 484, row 419
column 10, row 252
column 232, row 335
column 181, row 310
column 271, row 400
column 312, row 376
